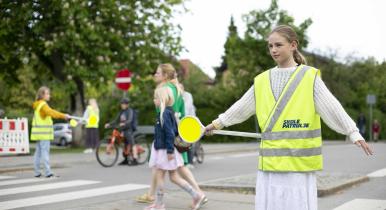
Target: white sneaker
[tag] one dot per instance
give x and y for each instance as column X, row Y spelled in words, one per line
column 87, row 151
column 190, row 166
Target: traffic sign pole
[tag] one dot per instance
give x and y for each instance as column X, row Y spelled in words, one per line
column 371, row 100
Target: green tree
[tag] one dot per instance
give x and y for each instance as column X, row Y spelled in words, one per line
column 82, row 42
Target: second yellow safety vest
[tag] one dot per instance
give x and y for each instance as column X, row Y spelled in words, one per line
column 291, row 132
column 93, row 118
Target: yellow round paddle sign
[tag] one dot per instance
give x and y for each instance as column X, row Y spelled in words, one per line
column 190, row 129
column 73, row 123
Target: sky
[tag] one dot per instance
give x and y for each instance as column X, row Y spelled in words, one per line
column 349, row 28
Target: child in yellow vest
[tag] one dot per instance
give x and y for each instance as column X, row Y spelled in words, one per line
column 91, row 117
column 42, row 130
column 288, row 101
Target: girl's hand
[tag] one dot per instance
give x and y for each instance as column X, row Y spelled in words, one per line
column 365, row 147
column 208, row 129
column 67, row 116
column 170, row 157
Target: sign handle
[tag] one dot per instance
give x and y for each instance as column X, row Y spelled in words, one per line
column 237, row 133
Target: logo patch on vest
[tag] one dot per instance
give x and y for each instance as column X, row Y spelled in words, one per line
column 295, row 124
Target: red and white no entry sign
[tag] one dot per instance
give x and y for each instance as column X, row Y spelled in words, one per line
column 123, row 79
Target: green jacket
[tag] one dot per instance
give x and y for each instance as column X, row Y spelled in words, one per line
column 178, row 105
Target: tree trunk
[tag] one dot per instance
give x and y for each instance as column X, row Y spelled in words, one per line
column 77, row 132
column 78, row 107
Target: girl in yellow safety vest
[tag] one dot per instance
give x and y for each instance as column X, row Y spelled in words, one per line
column 42, row 130
column 91, row 116
column 288, row 101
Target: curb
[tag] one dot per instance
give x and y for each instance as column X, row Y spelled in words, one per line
column 229, row 188
column 331, row 190
column 251, row 190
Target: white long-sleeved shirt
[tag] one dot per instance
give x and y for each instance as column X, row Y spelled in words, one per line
column 189, row 106
column 327, row 106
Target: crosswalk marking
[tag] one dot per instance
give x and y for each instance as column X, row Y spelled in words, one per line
column 22, row 181
column 6, row 177
column 40, row 200
column 35, row 188
column 379, row 173
column 360, row 204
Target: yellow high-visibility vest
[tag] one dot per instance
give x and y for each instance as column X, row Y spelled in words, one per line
column 42, row 128
column 93, row 118
column 291, row 133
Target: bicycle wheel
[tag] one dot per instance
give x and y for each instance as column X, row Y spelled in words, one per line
column 200, row 153
column 106, row 153
column 143, row 148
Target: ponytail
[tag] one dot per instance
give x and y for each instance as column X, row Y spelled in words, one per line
column 299, row 58
column 176, row 83
column 165, row 96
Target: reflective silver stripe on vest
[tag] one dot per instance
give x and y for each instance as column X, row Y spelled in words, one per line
column 41, row 133
column 42, row 126
column 286, row 97
column 291, row 134
column 291, row 152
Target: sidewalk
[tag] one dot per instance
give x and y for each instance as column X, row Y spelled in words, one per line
column 327, row 183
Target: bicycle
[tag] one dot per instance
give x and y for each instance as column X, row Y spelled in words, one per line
column 107, row 152
column 198, row 152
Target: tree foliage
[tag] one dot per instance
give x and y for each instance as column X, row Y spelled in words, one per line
column 76, row 46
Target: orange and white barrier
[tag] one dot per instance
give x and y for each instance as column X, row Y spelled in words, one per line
column 14, row 138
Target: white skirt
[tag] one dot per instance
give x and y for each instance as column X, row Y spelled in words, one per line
column 159, row 159
column 286, row 191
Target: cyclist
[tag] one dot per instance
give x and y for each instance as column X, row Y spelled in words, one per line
column 124, row 121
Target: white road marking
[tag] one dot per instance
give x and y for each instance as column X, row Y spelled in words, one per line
column 40, row 200
column 379, row 173
column 35, row 188
column 6, row 177
column 234, row 156
column 245, row 155
column 217, row 158
column 360, row 204
column 22, row 181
